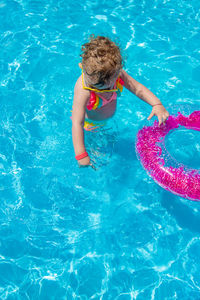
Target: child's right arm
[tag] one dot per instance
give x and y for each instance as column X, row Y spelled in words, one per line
column 81, row 97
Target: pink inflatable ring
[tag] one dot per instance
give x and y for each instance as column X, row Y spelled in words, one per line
column 179, row 180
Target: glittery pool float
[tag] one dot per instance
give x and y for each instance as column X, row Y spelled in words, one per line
column 178, row 179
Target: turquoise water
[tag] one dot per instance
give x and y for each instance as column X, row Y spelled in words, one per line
column 70, row 233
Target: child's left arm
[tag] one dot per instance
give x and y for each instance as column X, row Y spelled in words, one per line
column 146, row 95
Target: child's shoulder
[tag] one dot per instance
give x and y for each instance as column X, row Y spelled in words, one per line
column 79, row 90
column 123, row 74
column 78, row 84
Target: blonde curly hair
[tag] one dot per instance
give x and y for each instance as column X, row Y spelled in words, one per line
column 101, row 59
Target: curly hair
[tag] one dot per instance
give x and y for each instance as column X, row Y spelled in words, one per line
column 101, row 58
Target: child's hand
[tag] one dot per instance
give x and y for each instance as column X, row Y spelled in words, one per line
column 160, row 112
column 84, row 162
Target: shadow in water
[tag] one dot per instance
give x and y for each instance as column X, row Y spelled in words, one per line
column 185, row 216
column 125, row 147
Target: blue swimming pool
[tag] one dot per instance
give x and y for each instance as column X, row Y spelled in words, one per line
column 71, row 233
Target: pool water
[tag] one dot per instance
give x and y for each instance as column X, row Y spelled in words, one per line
column 76, row 233
column 184, row 146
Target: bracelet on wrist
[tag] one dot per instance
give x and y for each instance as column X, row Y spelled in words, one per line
column 82, row 155
column 157, row 104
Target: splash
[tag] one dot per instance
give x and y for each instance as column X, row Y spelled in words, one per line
column 179, row 180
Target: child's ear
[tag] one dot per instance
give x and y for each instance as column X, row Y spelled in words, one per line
column 80, row 65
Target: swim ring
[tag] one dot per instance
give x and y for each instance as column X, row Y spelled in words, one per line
column 179, row 179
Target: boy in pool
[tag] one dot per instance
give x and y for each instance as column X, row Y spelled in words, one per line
column 96, row 91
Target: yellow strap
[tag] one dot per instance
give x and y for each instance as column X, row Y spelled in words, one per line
column 95, row 90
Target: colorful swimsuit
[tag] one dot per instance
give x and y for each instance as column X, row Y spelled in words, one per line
column 98, row 101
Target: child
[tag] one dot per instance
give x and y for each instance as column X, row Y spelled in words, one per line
column 96, row 91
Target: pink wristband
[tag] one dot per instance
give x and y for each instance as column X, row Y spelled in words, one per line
column 157, row 104
column 82, row 155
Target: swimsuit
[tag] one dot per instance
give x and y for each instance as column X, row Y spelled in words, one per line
column 97, row 101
